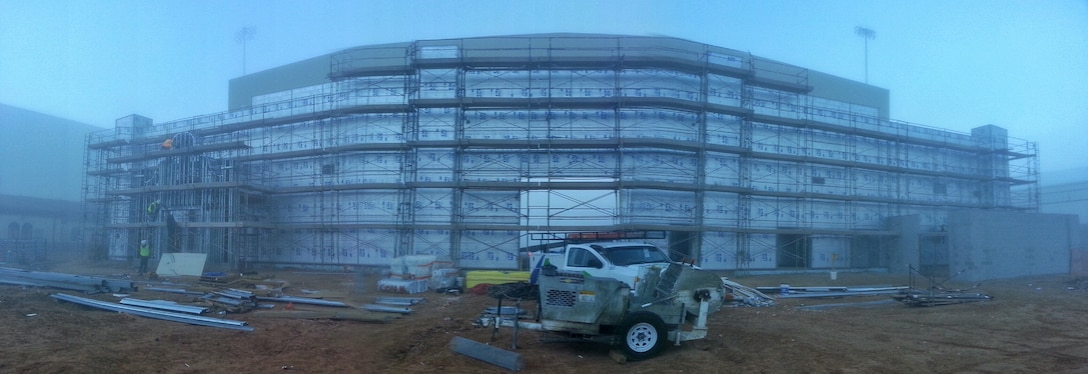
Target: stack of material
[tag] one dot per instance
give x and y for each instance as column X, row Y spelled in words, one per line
column 402, row 301
column 939, row 297
column 65, row 281
column 937, row 294
column 173, row 290
column 793, row 292
column 232, row 300
column 156, row 313
column 443, row 279
column 408, row 286
column 414, row 274
column 164, row 305
column 412, row 267
column 747, row 295
column 220, row 279
column 302, row 300
column 393, row 304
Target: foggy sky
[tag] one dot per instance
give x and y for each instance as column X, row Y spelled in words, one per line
column 1021, row 65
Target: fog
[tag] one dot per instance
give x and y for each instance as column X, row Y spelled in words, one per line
column 1021, row 65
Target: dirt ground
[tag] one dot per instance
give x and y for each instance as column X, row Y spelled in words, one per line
column 1033, row 325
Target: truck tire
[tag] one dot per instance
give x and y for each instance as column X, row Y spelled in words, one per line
column 642, row 335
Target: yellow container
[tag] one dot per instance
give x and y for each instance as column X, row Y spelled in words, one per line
column 476, row 277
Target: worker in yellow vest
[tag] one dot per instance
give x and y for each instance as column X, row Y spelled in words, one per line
column 145, row 254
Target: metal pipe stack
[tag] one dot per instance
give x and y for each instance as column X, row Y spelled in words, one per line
column 72, row 282
column 157, row 314
column 302, row 300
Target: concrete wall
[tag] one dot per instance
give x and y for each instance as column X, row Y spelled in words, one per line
column 1078, row 257
column 304, row 73
column 994, row 244
column 53, row 223
column 1082, row 241
column 41, row 155
column 316, row 70
column 837, row 88
column 1065, row 192
column 905, row 249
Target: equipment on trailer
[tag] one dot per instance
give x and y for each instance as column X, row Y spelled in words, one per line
column 671, row 304
column 623, row 255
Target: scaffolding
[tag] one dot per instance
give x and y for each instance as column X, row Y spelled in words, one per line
column 463, row 147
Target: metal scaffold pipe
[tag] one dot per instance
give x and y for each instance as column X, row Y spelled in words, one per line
column 164, row 305
column 156, row 314
column 302, row 300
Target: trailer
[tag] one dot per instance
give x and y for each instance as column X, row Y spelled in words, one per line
column 670, row 305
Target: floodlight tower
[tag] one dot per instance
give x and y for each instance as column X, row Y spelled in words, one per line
column 242, row 36
column 866, row 34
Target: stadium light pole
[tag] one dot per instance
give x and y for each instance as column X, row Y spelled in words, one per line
column 866, row 34
column 242, row 36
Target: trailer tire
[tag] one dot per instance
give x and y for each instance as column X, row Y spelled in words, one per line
column 642, row 335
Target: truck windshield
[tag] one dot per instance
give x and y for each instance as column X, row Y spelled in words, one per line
column 630, row 255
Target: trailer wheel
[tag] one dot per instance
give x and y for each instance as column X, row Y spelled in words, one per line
column 642, row 335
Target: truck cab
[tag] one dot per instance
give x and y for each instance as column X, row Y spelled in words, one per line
column 625, row 261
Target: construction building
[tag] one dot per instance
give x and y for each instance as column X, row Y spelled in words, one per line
column 465, row 147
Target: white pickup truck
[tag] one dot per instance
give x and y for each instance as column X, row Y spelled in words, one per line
column 625, row 261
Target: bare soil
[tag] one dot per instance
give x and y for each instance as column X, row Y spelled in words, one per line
column 1033, row 325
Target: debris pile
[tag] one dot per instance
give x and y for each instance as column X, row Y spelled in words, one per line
column 214, row 278
column 937, row 294
column 786, row 291
column 744, row 294
column 1077, row 284
column 936, row 297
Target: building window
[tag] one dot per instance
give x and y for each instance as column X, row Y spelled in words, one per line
column 13, row 231
column 818, row 180
column 28, row 231
column 940, row 189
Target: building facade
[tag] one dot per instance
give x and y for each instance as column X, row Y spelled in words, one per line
column 467, row 147
column 41, row 171
column 1065, row 192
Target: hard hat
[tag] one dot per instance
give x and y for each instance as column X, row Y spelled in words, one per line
column 143, row 242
